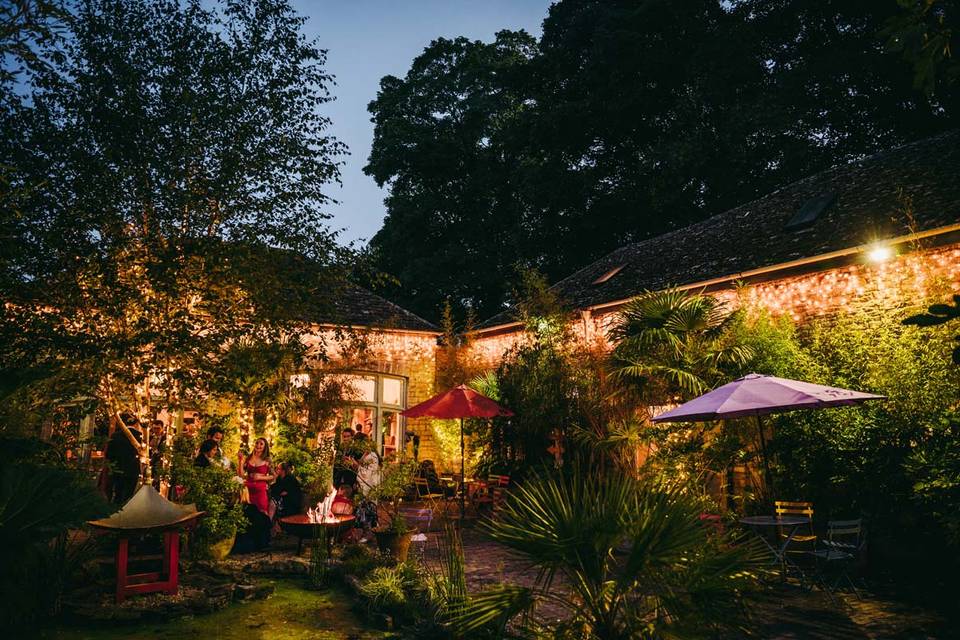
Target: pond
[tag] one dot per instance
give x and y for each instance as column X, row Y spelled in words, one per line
column 291, row 613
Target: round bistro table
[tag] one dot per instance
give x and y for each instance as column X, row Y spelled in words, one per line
column 762, row 524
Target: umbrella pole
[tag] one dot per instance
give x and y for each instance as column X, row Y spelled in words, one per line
column 463, row 478
column 763, row 454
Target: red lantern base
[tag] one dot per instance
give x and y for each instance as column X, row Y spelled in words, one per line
column 165, row 580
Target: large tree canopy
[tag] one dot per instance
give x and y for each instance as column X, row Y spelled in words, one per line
column 168, row 164
column 627, row 119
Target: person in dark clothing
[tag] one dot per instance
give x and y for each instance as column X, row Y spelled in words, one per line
column 345, row 466
column 286, row 492
column 124, row 459
column 207, row 455
column 256, row 536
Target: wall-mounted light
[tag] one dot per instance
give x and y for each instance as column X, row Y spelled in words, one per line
column 879, row 253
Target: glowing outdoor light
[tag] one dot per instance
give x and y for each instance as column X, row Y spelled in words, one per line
column 879, row 253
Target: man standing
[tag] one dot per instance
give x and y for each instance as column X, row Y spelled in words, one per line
column 124, row 459
column 216, row 434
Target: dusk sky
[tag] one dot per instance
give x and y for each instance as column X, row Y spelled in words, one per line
column 368, row 39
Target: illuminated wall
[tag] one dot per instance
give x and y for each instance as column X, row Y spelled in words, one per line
column 904, row 280
column 407, row 354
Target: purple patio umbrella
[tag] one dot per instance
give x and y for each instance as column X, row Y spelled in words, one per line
column 759, row 395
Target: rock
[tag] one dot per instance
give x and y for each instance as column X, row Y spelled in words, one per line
column 222, row 590
column 263, row 591
column 252, row 591
column 285, row 567
column 244, row 591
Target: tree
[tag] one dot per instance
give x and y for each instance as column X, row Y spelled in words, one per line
column 674, row 344
column 173, row 164
column 926, row 34
column 627, row 120
column 443, row 142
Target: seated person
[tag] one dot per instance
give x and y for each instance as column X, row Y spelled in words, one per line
column 343, row 501
column 286, row 491
column 207, row 455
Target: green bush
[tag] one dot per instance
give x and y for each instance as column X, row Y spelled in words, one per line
column 215, row 491
column 39, row 505
column 399, row 591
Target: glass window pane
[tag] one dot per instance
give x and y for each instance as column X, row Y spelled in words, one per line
column 391, row 432
column 358, row 388
column 393, row 391
column 361, row 419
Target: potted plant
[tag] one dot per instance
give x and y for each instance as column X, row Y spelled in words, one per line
column 394, row 536
column 214, row 490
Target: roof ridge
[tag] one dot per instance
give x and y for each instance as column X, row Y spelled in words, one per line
column 759, row 206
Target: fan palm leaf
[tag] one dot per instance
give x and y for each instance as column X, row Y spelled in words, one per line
column 633, row 558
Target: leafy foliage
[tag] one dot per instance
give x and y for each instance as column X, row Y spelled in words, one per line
column 926, row 34
column 552, row 153
column 214, row 490
column 39, row 505
column 672, row 343
column 936, row 315
column 171, row 163
column 624, row 558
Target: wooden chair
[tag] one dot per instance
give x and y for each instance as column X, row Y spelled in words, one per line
column 838, row 553
column 783, row 508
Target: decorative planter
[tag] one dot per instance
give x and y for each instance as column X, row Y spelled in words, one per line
column 221, row 549
column 396, row 544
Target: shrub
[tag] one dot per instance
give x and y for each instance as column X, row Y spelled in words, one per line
column 214, row 490
column 39, row 505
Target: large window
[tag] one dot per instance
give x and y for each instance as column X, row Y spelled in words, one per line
column 373, row 405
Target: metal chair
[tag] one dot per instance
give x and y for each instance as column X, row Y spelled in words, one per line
column 783, row 508
column 423, row 490
column 839, row 552
column 421, row 519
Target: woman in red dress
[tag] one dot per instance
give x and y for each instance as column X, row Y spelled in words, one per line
column 256, row 471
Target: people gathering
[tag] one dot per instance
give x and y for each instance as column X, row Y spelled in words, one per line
column 269, row 490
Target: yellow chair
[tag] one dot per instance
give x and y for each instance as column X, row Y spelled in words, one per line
column 783, row 508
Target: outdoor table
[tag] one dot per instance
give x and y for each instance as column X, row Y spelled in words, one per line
column 301, row 527
column 790, row 523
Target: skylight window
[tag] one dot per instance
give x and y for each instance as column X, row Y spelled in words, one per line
column 609, row 274
column 811, row 210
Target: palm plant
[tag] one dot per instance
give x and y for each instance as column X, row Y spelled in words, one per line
column 674, row 343
column 632, row 558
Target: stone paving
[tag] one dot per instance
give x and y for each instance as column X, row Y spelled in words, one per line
column 787, row 613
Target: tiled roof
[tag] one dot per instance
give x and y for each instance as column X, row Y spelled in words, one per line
column 358, row 307
column 872, row 197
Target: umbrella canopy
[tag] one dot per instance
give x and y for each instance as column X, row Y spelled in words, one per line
column 459, row 402
column 757, row 395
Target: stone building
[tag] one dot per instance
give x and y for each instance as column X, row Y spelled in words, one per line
column 880, row 232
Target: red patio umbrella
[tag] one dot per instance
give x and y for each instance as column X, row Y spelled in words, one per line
column 459, row 402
